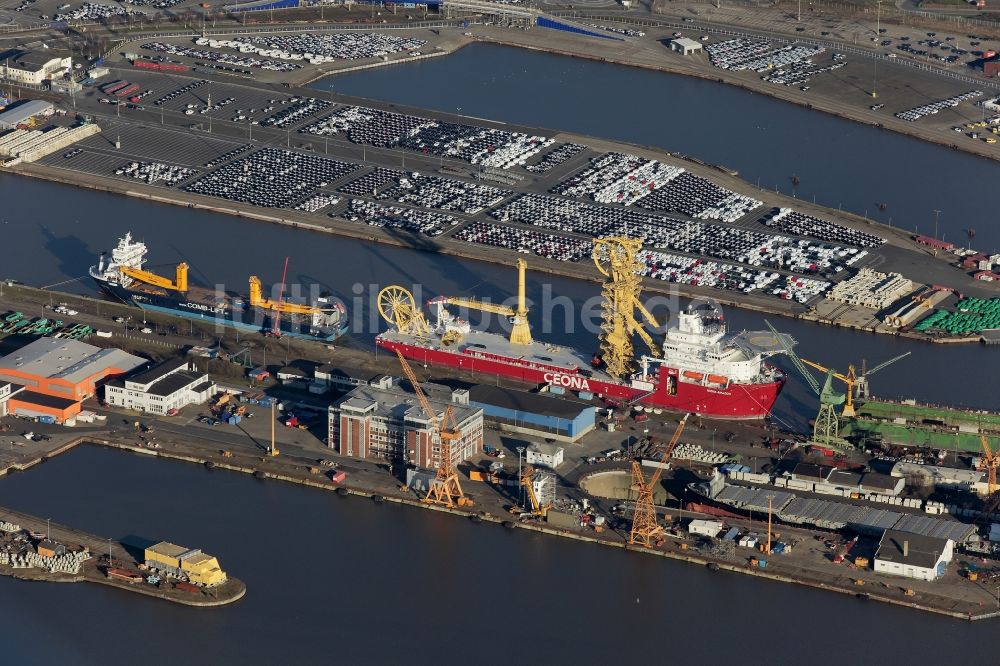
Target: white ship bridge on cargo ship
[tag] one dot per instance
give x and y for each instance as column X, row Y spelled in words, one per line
column 127, row 254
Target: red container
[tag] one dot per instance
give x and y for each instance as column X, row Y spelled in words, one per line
column 145, row 64
column 187, row 587
column 128, row 90
column 338, row 476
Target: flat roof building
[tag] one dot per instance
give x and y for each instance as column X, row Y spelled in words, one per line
column 21, row 113
column 34, row 67
column 913, row 555
column 166, row 387
column 685, row 46
column 198, row 567
column 544, row 455
column 385, row 420
column 58, row 374
column 533, row 413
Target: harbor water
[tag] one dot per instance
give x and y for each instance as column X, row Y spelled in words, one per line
column 346, row 581
column 839, row 163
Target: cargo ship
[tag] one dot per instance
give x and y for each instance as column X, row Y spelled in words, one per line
column 123, row 278
column 701, row 367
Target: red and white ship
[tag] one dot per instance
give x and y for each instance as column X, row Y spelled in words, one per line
column 698, row 368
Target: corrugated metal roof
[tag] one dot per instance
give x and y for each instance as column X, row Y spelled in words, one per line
column 24, row 111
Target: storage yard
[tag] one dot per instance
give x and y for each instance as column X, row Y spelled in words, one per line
column 337, row 167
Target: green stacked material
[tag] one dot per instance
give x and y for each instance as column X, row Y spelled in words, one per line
column 971, row 316
column 888, row 411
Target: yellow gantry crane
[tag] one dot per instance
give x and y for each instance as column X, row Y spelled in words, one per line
column 180, row 282
column 445, row 488
column 615, row 258
column 989, row 462
column 520, row 332
column 857, row 384
column 646, row 529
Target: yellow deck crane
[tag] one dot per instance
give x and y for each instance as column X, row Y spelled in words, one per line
column 520, row 332
column 857, row 384
column 444, row 489
column 398, row 307
column 180, row 282
column 646, row 529
column 615, row 258
column 257, row 300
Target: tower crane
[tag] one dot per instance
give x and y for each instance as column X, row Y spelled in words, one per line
column 537, row 509
column 445, row 489
column 646, row 530
column 826, row 429
column 615, row 258
column 179, row 284
column 856, row 384
column 520, row 332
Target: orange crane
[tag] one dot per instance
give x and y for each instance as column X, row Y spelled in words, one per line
column 989, row 462
column 180, row 282
column 444, row 490
column 646, row 530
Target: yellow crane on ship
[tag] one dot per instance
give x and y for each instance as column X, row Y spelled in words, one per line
column 398, row 307
column 445, row 489
column 646, row 529
column 520, row 332
column 180, row 282
column 257, row 300
column 615, row 258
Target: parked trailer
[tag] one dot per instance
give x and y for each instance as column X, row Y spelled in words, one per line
column 110, row 88
column 125, row 92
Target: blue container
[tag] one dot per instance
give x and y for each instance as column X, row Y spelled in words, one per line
column 558, row 390
column 586, row 395
column 761, row 564
column 47, row 419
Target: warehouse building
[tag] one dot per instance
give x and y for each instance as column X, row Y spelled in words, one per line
column 198, row 567
column 533, row 413
column 162, row 389
column 35, row 67
column 6, row 391
column 59, row 374
column 913, row 555
column 22, row 113
column 385, row 420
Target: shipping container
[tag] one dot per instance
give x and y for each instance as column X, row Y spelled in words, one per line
column 338, row 476
column 47, row 419
column 128, row 90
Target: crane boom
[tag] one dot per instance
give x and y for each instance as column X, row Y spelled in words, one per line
column 180, row 282
column 520, row 332
column 810, row 380
column 884, row 364
column 825, row 370
column 473, row 304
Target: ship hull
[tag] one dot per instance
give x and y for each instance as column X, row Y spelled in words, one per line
column 736, row 401
column 244, row 318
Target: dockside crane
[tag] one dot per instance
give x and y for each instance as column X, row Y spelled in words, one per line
column 646, row 529
column 615, row 257
column 445, row 489
column 989, row 463
column 826, row 429
column 520, row 332
column 857, row 385
column 537, row 508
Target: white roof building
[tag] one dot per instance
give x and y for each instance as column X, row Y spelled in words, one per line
column 685, row 46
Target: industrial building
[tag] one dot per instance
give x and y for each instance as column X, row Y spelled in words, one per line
column 830, row 477
column 385, row 420
column 709, row 528
column 533, row 413
column 59, row 374
column 49, row 548
column 544, row 455
column 685, row 46
column 913, row 555
column 162, row 389
column 35, row 67
column 6, row 391
column 22, row 113
column 198, row 567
